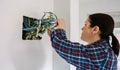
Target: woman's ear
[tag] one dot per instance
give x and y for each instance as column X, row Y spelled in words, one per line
column 96, row 29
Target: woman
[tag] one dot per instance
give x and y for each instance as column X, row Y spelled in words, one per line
column 99, row 54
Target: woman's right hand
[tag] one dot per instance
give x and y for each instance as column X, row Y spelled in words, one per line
column 61, row 24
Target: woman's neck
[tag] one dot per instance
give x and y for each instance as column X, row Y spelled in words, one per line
column 94, row 39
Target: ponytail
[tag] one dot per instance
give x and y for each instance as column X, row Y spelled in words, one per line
column 115, row 44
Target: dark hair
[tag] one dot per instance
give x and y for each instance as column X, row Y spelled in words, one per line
column 106, row 25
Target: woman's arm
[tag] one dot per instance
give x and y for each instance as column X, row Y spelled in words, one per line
column 73, row 53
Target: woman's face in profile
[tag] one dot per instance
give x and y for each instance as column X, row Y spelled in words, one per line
column 86, row 31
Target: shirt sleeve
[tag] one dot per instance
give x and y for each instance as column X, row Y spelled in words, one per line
column 74, row 53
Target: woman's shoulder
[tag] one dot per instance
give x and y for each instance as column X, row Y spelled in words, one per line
column 100, row 45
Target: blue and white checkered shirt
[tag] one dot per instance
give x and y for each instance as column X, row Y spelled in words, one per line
column 96, row 56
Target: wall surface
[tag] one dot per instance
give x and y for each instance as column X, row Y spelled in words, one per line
column 62, row 10
column 18, row 54
column 97, row 6
column 74, row 24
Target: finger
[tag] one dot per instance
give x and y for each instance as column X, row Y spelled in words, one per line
column 49, row 32
column 56, row 24
column 49, row 29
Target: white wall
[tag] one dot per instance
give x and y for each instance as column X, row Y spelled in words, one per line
column 97, row 6
column 18, row 54
column 62, row 10
column 74, row 24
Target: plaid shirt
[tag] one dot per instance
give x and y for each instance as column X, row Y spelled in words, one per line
column 96, row 56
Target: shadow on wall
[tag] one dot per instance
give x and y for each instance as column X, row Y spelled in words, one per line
column 27, row 55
